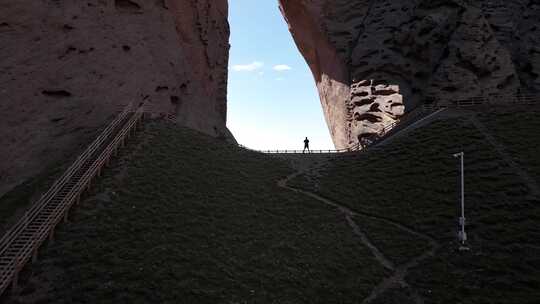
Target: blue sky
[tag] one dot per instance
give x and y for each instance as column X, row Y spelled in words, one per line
column 272, row 97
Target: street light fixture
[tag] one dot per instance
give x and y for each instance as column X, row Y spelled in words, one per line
column 462, row 235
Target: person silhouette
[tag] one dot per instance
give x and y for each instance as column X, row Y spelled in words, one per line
column 306, row 145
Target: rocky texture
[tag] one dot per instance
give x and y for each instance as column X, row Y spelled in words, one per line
column 67, row 66
column 423, row 50
column 371, row 107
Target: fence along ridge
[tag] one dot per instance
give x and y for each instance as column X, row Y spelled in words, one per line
column 505, row 99
column 416, row 114
column 20, row 243
column 386, row 131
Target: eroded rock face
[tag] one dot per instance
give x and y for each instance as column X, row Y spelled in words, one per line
column 422, row 49
column 373, row 105
column 66, row 67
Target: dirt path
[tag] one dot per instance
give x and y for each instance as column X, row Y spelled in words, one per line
column 501, row 150
column 397, row 279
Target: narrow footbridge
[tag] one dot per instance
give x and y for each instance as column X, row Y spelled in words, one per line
column 21, row 243
column 309, row 152
column 412, row 118
column 419, row 115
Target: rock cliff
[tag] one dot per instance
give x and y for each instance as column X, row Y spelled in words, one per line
column 67, row 66
column 374, row 60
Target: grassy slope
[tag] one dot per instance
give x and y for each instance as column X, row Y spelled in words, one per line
column 415, row 181
column 519, row 132
column 190, row 220
column 400, row 246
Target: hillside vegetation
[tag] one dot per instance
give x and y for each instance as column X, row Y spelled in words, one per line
column 189, row 219
column 415, row 181
column 185, row 218
column 518, row 130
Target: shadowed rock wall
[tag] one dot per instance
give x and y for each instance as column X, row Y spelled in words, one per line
column 67, row 66
column 374, row 60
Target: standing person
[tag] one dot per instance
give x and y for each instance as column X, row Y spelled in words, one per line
column 306, row 145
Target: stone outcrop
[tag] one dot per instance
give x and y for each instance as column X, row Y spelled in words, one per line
column 374, row 60
column 371, row 107
column 66, row 67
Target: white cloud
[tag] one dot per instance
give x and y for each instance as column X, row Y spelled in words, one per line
column 282, row 68
column 248, row 67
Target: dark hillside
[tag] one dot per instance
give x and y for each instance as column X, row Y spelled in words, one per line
column 414, row 181
column 185, row 218
column 188, row 219
column 519, row 131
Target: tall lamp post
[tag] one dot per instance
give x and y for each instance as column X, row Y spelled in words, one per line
column 462, row 235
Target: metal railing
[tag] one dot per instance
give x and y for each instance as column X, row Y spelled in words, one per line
column 493, row 99
column 329, row 151
column 384, row 133
column 61, row 181
column 418, row 114
column 21, row 242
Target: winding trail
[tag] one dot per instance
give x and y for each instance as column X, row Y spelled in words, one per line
column 399, row 272
column 501, row 150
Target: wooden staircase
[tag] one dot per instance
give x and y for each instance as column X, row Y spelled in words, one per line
column 21, row 243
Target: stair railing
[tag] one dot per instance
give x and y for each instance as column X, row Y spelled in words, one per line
column 61, row 181
column 47, row 225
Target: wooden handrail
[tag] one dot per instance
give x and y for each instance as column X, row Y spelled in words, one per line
column 60, row 182
column 90, row 162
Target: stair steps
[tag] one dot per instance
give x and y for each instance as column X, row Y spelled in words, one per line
column 19, row 244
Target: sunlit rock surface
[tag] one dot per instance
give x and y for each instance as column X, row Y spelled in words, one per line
column 67, row 66
column 424, row 50
column 372, row 107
